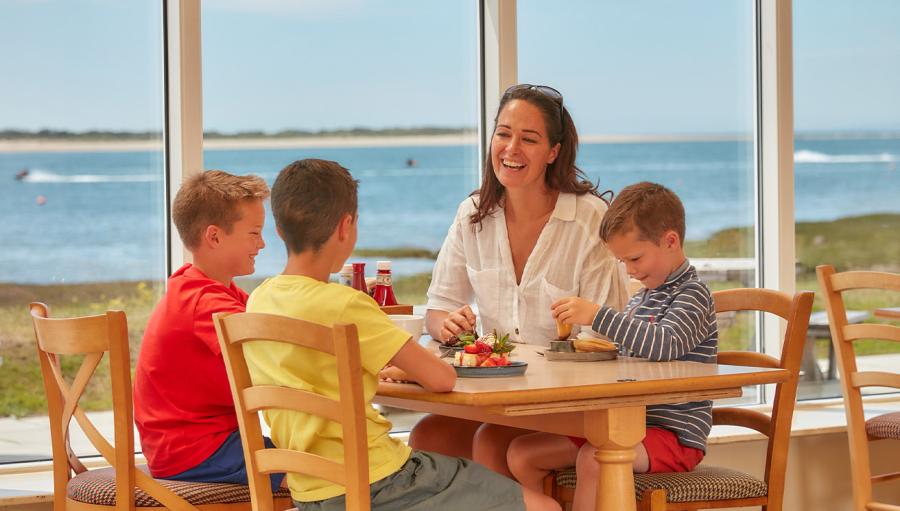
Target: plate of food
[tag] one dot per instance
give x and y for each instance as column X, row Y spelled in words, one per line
column 583, row 350
column 487, row 357
column 457, row 343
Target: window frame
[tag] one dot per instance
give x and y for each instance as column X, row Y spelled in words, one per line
column 497, row 70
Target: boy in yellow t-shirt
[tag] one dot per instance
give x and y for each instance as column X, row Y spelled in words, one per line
column 315, row 204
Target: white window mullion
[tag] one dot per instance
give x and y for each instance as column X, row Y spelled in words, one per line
column 184, row 93
column 498, row 66
column 775, row 195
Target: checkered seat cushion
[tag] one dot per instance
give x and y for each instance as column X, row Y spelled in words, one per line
column 884, row 426
column 703, row 483
column 99, row 487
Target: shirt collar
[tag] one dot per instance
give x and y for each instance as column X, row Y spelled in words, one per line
column 677, row 274
column 565, row 207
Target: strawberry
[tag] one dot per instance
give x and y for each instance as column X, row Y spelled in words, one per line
column 483, row 347
column 501, row 361
column 489, row 362
column 481, row 358
column 471, row 348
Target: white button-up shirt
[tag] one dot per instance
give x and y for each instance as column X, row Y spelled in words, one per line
column 569, row 259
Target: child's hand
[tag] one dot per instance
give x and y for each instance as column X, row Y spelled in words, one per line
column 574, row 310
column 393, row 374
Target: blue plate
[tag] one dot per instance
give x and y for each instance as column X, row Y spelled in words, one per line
column 515, row 368
column 449, row 351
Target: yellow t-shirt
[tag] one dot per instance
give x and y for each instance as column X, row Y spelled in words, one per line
column 293, row 366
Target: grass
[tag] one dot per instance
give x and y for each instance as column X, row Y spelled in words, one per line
column 739, row 334
column 396, row 253
column 20, row 374
column 864, row 242
column 846, row 243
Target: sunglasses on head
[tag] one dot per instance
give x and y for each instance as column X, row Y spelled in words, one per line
column 546, row 91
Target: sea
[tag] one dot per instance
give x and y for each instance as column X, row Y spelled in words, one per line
column 98, row 216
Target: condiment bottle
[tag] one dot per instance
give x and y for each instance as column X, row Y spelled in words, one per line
column 359, row 277
column 345, row 278
column 384, row 289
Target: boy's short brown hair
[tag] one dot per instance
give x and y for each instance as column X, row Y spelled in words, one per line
column 650, row 208
column 309, row 199
column 212, row 198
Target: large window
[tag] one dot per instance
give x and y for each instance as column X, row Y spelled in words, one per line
column 847, row 152
column 663, row 91
column 81, row 181
column 388, row 89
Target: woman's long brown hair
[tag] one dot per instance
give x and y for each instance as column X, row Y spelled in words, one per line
column 561, row 175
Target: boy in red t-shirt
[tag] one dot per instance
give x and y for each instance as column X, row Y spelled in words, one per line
column 182, row 401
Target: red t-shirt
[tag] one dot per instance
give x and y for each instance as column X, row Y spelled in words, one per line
column 182, row 400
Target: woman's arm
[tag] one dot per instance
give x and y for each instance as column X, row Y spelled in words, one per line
column 450, row 291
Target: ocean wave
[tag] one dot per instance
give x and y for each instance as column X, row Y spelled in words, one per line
column 44, row 176
column 805, row 156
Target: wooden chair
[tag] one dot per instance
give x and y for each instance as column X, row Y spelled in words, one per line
column 715, row 487
column 95, row 490
column 859, row 430
column 342, row 342
column 401, row 308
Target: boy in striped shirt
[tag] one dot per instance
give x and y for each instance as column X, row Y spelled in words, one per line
column 672, row 318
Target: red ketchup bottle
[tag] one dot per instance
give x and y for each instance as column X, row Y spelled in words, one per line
column 384, row 289
column 359, row 277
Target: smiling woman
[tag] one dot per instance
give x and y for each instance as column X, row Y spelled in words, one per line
column 527, row 237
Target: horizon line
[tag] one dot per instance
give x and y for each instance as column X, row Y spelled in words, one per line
column 75, row 144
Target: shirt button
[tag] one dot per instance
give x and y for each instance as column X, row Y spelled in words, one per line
column 517, row 331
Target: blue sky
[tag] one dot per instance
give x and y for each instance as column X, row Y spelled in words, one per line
column 660, row 66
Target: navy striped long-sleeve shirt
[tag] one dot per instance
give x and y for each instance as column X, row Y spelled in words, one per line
column 675, row 321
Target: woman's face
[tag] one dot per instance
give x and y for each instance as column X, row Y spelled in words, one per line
column 520, row 149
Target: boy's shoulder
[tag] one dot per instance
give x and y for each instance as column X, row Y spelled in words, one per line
column 309, row 297
column 690, row 283
column 190, row 286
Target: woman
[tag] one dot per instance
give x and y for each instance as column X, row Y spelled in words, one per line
column 526, row 238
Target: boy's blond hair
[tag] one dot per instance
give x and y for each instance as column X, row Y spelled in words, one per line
column 650, row 208
column 212, row 198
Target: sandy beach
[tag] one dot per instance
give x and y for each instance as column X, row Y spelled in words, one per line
column 92, row 146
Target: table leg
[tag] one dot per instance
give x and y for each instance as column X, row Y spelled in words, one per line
column 615, row 432
column 808, row 365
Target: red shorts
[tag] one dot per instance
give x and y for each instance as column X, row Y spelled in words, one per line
column 664, row 451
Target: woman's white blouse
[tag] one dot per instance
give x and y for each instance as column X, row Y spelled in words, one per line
column 569, row 259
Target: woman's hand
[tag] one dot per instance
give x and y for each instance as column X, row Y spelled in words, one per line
column 574, row 310
column 460, row 320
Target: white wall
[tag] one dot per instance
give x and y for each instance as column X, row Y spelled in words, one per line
column 818, row 475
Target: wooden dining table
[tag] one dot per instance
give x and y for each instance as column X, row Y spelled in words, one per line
column 604, row 402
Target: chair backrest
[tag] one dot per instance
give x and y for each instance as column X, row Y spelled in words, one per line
column 91, row 337
column 777, row 427
column 397, row 309
column 843, row 335
column 340, row 341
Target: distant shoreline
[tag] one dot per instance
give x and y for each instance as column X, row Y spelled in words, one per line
column 28, row 145
column 214, row 144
